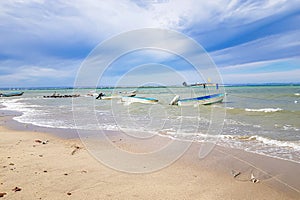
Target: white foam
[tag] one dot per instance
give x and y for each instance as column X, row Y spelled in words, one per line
column 230, row 108
column 272, row 142
column 297, row 94
column 287, row 127
column 234, row 122
column 266, row 110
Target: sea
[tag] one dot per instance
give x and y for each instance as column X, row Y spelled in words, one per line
column 262, row 119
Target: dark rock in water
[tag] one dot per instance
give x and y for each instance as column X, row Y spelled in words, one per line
column 62, row 96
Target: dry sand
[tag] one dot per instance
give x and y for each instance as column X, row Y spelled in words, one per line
column 63, row 169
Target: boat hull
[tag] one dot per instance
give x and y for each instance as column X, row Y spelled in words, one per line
column 203, row 100
column 111, row 97
column 139, row 100
column 12, row 94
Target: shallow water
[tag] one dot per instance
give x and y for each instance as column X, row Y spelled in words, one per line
column 259, row 119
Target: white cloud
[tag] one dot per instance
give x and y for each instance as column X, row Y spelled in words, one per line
column 272, row 47
column 13, row 73
column 253, row 65
column 95, row 20
column 30, row 29
column 265, row 77
column 244, row 12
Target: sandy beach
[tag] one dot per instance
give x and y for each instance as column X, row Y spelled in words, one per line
column 63, row 168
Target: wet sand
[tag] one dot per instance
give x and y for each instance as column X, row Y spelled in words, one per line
column 64, row 168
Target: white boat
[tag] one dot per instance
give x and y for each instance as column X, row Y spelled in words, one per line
column 139, row 100
column 110, row 97
column 117, row 96
column 202, row 100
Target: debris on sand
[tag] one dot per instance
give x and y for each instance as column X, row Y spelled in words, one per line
column 45, row 142
column 69, row 193
column 235, row 173
column 253, row 179
column 2, row 194
column 16, row 189
column 76, row 149
column 42, row 142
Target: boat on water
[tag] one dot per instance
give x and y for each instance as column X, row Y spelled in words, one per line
column 201, row 100
column 102, row 96
column 11, row 94
column 135, row 99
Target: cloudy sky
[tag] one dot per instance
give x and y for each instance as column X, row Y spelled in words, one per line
column 43, row 43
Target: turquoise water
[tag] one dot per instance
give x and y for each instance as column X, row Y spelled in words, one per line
column 259, row 119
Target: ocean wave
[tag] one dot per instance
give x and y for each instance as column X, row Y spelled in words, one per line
column 289, row 127
column 46, row 123
column 297, row 94
column 266, row 110
column 241, row 141
column 230, row 108
column 278, row 143
column 265, row 141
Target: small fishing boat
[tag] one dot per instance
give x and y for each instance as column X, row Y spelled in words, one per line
column 201, row 100
column 111, row 97
column 145, row 100
column 11, row 94
column 102, row 96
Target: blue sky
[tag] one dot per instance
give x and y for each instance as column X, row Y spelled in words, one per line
column 43, row 43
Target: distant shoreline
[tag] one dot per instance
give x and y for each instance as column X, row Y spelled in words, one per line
column 175, row 86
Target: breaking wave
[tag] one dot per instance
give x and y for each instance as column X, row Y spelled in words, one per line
column 266, row 110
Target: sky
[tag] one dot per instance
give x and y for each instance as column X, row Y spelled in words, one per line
column 44, row 43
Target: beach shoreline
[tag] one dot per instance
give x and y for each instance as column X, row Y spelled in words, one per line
column 64, row 167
